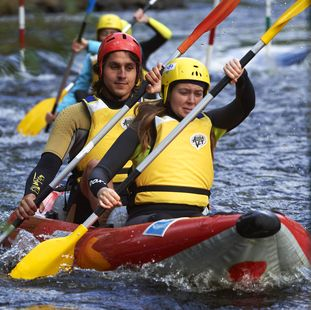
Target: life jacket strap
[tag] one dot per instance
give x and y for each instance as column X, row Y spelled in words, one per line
column 173, row 188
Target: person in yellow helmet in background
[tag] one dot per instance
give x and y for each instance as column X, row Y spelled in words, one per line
column 178, row 181
column 107, row 24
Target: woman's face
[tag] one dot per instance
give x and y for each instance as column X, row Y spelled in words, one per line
column 184, row 97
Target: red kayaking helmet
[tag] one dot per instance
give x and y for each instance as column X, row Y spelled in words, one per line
column 118, row 42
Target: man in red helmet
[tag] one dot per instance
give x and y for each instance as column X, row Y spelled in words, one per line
column 120, row 72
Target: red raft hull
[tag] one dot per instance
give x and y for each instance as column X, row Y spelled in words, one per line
column 229, row 245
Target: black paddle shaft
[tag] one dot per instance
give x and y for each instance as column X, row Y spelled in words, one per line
column 226, row 80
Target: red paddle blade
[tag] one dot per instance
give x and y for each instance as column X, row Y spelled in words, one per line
column 214, row 18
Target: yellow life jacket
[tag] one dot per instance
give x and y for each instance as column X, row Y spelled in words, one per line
column 101, row 114
column 183, row 172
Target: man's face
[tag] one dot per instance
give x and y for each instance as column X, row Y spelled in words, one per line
column 119, row 74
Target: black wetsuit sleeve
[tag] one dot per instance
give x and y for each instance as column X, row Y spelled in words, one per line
column 231, row 115
column 113, row 161
column 43, row 173
column 150, row 46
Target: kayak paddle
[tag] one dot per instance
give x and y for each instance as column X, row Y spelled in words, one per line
column 217, row 17
column 51, row 256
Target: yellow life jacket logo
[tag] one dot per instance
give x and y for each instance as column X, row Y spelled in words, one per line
column 125, row 122
column 198, row 140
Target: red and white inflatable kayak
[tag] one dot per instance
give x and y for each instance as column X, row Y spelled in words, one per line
column 232, row 246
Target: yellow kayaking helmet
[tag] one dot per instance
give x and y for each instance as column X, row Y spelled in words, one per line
column 183, row 69
column 111, row 21
column 125, row 24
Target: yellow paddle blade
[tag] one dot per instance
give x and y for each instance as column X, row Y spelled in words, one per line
column 49, row 257
column 34, row 121
column 291, row 12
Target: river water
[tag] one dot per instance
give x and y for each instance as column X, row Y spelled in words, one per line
column 262, row 164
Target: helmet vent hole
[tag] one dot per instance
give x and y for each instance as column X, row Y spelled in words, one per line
column 110, row 39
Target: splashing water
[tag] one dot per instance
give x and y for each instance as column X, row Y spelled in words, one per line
column 21, row 246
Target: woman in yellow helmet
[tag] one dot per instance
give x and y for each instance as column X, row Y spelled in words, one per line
column 178, row 182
